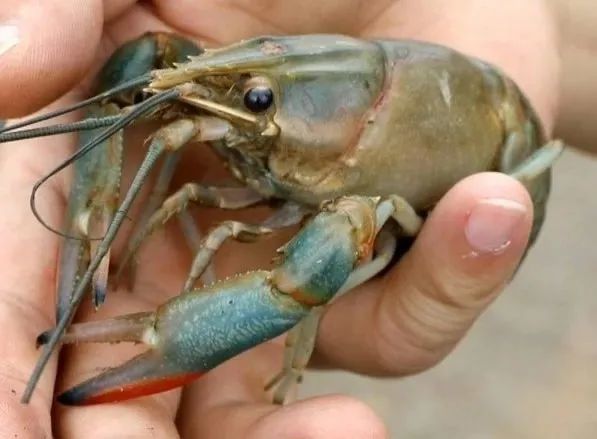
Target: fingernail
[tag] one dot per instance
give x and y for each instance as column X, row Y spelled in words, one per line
column 9, row 37
column 492, row 223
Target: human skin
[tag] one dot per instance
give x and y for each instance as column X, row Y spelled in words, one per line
column 577, row 26
column 403, row 323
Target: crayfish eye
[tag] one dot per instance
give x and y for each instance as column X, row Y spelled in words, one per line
column 259, row 98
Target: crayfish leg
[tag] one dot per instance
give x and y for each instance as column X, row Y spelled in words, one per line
column 192, row 235
column 534, row 173
column 289, row 214
column 213, row 241
column 156, row 197
column 222, row 197
column 300, row 341
column 298, row 348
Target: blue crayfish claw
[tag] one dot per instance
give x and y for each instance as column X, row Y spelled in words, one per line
column 196, row 331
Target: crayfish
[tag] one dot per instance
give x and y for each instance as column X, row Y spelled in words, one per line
column 354, row 140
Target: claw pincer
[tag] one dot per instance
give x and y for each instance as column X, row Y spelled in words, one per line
column 194, row 332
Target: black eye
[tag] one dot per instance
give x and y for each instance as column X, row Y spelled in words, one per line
column 258, row 99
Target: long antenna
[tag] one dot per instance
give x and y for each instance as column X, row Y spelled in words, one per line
column 82, row 125
column 136, row 82
column 123, row 121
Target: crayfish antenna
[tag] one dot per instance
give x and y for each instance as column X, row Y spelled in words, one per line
column 123, row 121
column 82, row 125
column 124, row 86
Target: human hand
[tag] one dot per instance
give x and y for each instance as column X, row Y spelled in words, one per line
column 402, row 323
column 577, row 21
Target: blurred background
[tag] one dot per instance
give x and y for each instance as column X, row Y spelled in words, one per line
column 528, row 368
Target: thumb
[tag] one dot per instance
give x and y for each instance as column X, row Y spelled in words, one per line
column 413, row 317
